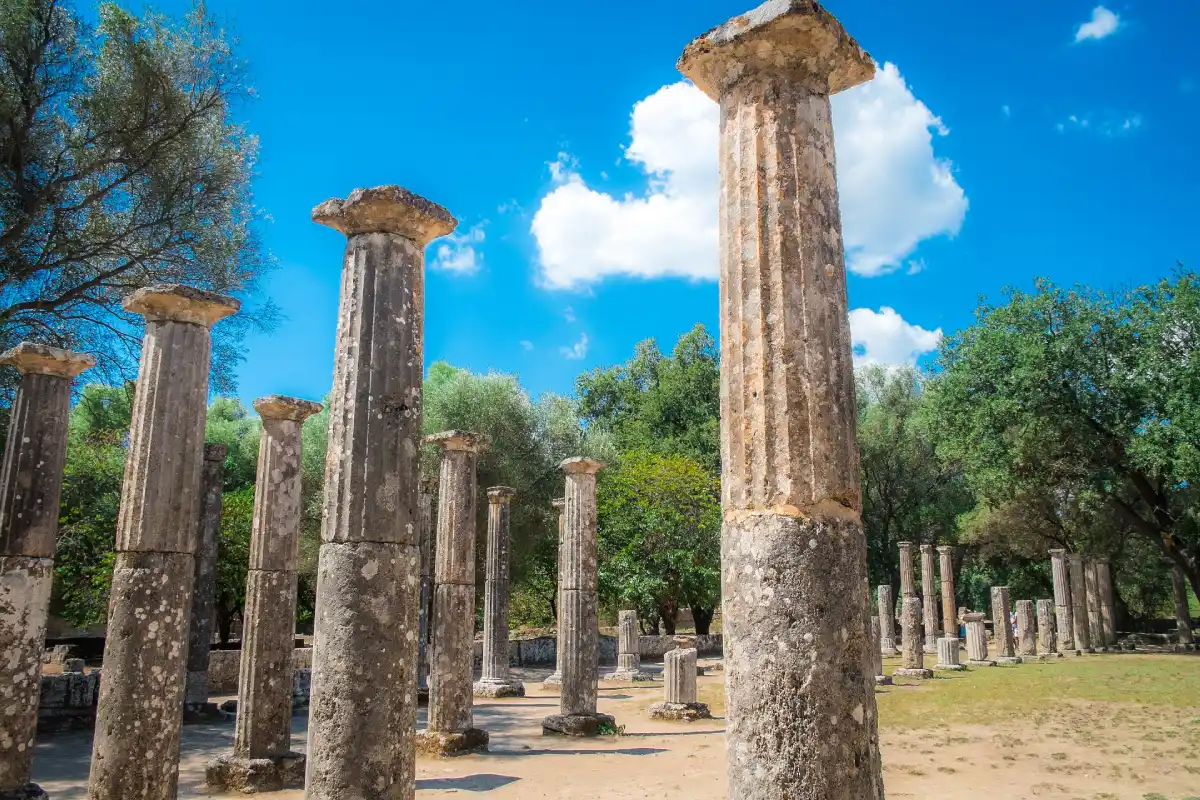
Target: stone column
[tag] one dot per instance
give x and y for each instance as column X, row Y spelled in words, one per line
column 1006, row 651
column 1048, row 628
column 262, row 759
column 949, row 603
column 196, row 707
column 948, row 654
column 887, row 621
column 578, row 637
column 1095, row 621
column 1080, row 627
column 1062, row 599
column 681, row 702
column 629, row 651
column 135, row 752
column 496, row 680
column 977, row 651
column 428, row 539
column 451, row 721
column 908, row 584
column 555, row 679
column 877, row 653
column 914, row 652
column 1026, row 629
column 794, row 558
column 30, row 487
column 1183, row 615
column 360, row 732
column 1108, row 616
column 929, row 599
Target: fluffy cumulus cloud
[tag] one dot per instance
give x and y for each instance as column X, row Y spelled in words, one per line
column 895, row 191
column 884, row 337
column 576, row 351
column 459, row 252
column 1103, row 23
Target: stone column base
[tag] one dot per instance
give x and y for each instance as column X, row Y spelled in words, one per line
column 31, row 792
column 883, row 680
column 633, row 675
column 913, row 673
column 447, row 744
column 553, row 680
column 1049, row 656
column 577, row 724
column 680, row 712
column 975, row 663
column 949, row 667
column 251, row 775
column 491, row 688
column 1008, row 660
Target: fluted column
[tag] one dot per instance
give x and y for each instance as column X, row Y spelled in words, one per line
column 1091, row 584
column 1047, row 629
column 929, row 598
column 496, row 680
column 977, row 649
column 135, row 752
column 262, row 758
column 629, row 650
column 680, row 702
column 1062, row 599
column 877, row 653
column 204, row 588
column 30, row 488
column 1183, row 614
column 1108, row 613
column 555, row 678
column 949, row 603
column 887, row 621
column 360, row 734
column 428, row 539
column 578, row 637
column 1080, row 627
column 451, row 721
column 1006, row 650
column 913, row 649
column 1026, row 629
column 908, row 584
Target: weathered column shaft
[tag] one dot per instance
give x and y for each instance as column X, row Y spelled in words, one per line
column 1080, row 627
column 949, row 603
column 1108, row 613
column 1026, row 629
column 555, row 679
column 908, row 585
column 929, row 598
column 204, row 585
column 887, row 620
column 496, row 680
column 579, row 636
column 1062, row 599
column 1002, row 624
column 977, row 649
column 30, row 490
column 428, row 539
column 1047, row 627
column 1183, row 614
column 948, row 651
column 910, row 620
column 360, row 731
column 679, row 676
column 1095, row 621
column 877, row 654
column 629, row 655
column 135, row 752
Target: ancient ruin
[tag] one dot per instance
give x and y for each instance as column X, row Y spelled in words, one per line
column 1047, row 621
column 262, row 759
column 555, row 678
column 1091, row 582
column 196, row 706
column 1062, row 599
column 629, row 652
column 887, row 621
column 929, row 598
column 1006, row 651
column 948, row 654
column 949, row 603
column 681, row 702
column 428, row 539
column 496, row 680
column 1183, row 617
column 30, row 490
column 977, row 649
column 452, row 728
column 908, row 581
column 368, row 580
column 1026, row 629
column 135, row 752
column 877, row 654
column 1080, row 626
column 913, row 644
column 1108, row 616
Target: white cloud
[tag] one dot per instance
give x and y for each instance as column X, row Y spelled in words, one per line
column 577, row 350
column 1103, row 23
column 884, row 337
column 526, row 345
column 1107, row 124
column 894, row 190
column 457, row 252
column 1007, row 110
column 569, row 314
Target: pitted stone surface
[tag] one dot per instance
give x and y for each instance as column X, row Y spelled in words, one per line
column 1183, row 617
column 1002, row 626
column 1095, row 619
column 887, row 621
column 629, row 659
column 908, row 587
column 264, row 723
column 977, row 651
column 204, row 587
column 447, row 744
column 428, row 538
column 929, row 598
column 555, row 678
column 1062, row 599
column 24, row 607
column 496, row 680
column 877, row 654
column 450, row 689
column 947, row 651
column 949, row 603
column 1080, row 626
column 30, row 358
column 680, row 712
column 1026, row 630
column 910, row 624
column 174, row 302
column 1047, row 628
column 679, row 677
column 253, row 775
column 386, row 209
column 30, row 791
column 577, row 724
column 1108, row 618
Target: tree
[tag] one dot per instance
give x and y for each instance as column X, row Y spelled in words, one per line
column 120, row 166
column 1083, row 393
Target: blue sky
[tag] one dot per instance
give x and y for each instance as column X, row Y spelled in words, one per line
column 999, row 143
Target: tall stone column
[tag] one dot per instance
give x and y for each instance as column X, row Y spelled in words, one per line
column 555, row 679
column 977, row 650
column 794, row 559
column 451, row 722
column 877, row 653
column 1080, row 627
column 579, row 637
column 1108, row 614
column 496, row 680
column 908, row 583
column 1006, row 651
column 929, row 598
column 135, row 752
column 428, row 554
column 681, row 702
column 30, row 488
column 949, row 603
column 629, row 650
column 914, row 652
column 204, row 588
column 262, row 759
column 1183, row 614
column 1062, row 599
column 360, row 732
column 1048, row 629
column 887, row 621
column 1095, row 620
column 1026, row 629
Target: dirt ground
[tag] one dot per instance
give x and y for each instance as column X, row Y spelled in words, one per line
column 1116, row 727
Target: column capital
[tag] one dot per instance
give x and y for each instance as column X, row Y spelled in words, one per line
column 559, row 503
column 1057, row 552
column 174, row 302
column 277, row 406
column 215, row 451
column 460, row 440
column 794, row 38
column 386, row 209
column 28, row 357
column 581, row 464
column 926, row 548
column 978, row 616
column 500, row 494
column 945, row 549
column 904, row 545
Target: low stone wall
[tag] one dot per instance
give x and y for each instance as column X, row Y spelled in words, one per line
column 223, row 666
column 68, row 701
column 540, row 652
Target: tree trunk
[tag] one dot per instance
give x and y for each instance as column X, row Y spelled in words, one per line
column 224, row 625
column 669, row 611
column 703, row 618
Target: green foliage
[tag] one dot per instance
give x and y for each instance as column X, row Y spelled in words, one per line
column 233, row 556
